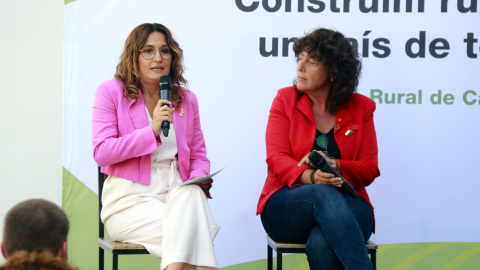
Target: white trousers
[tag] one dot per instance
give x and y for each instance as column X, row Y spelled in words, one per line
column 173, row 223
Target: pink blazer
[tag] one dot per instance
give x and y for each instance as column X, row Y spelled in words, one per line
column 123, row 140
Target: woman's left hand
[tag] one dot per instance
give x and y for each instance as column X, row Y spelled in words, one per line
column 306, row 161
column 206, row 186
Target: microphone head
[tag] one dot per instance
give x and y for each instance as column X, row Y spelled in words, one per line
column 315, row 157
column 165, row 83
column 317, row 160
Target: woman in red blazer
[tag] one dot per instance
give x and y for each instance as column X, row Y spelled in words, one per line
column 321, row 113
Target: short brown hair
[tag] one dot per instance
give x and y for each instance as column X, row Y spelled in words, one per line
column 127, row 69
column 35, row 225
column 340, row 58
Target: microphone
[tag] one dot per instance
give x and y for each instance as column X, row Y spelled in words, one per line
column 319, row 162
column 165, row 93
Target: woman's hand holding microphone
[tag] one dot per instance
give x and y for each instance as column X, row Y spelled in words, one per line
column 161, row 113
column 314, row 176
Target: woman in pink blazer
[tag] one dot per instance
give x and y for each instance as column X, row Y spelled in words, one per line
column 321, row 113
column 144, row 200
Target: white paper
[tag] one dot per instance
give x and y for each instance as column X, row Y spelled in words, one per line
column 202, row 179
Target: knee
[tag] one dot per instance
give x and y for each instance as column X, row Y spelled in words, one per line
column 325, row 190
column 187, row 192
column 325, row 195
column 189, row 189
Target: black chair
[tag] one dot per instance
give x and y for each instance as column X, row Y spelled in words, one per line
column 281, row 248
column 104, row 243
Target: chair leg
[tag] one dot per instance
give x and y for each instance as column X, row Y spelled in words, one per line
column 373, row 258
column 270, row 258
column 100, row 259
column 279, row 260
column 114, row 261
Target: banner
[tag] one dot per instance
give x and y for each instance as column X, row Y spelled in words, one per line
column 420, row 65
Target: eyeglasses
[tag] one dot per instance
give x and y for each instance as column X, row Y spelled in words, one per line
column 322, row 142
column 149, row 53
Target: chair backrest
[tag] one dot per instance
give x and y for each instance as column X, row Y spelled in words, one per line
column 101, row 180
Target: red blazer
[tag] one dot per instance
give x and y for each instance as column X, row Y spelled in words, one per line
column 291, row 132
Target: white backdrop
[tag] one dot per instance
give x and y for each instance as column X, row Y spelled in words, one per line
column 427, row 190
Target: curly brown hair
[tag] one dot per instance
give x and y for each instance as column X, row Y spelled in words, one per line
column 127, row 69
column 340, row 58
column 23, row 260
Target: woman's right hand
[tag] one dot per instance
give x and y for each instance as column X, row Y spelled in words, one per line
column 320, row 177
column 160, row 114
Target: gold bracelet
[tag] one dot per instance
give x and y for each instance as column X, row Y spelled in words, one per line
column 311, row 176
